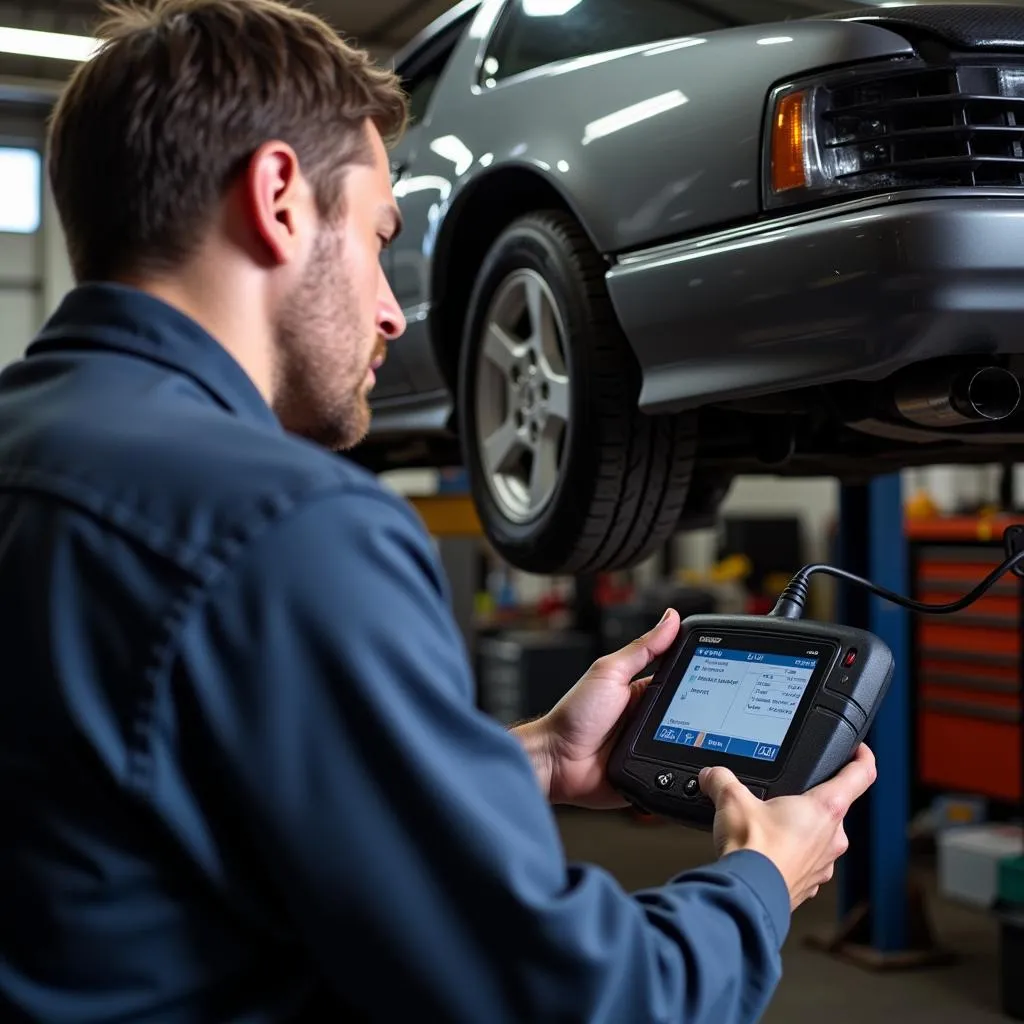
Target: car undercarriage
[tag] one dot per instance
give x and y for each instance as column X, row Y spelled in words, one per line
column 627, row 286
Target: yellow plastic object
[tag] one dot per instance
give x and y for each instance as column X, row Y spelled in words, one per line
column 448, row 515
column 921, row 506
column 729, row 570
column 776, row 582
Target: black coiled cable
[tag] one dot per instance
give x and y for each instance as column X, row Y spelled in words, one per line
column 792, row 600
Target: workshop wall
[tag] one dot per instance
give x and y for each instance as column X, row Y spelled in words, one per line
column 34, row 269
column 814, row 501
column 20, row 291
column 21, row 264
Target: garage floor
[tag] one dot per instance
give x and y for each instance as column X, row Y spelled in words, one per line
column 815, row 987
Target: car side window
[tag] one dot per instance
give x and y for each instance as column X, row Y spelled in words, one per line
column 538, row 32
column 422, row 72
column 419, row 91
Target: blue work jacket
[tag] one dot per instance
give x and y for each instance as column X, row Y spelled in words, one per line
column 242, row 774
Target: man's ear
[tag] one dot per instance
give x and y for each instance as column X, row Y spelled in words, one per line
column 276, row 196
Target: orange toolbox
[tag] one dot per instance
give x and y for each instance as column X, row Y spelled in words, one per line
column 967, row 669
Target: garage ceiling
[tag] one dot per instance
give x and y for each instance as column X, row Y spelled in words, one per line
column 382, row 26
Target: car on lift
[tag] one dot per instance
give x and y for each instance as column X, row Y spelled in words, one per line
column 649, row 245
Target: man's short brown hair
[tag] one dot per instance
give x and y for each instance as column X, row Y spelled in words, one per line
column 150, row 132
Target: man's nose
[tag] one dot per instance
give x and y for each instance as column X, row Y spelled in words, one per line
column 390, row 318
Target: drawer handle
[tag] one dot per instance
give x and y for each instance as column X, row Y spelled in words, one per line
column 965, row 682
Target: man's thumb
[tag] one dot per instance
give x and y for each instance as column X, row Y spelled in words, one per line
column 716, row 783
column 656, row 641
column 632, row 659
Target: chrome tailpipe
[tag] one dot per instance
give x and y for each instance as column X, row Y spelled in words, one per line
column 973, row 396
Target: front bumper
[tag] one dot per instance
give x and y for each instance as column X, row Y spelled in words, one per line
column 852, row 293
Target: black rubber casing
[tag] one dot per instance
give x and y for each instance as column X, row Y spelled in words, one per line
column 833, row 718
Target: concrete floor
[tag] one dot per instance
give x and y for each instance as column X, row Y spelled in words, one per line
column 815, row 987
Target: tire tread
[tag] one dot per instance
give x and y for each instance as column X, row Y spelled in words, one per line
column 645, row 462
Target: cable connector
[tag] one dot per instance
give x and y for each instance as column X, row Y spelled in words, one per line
column 792, row 600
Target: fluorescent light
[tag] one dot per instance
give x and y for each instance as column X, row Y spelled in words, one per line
column 774, row 40
column 55, row 45
column 633, row 115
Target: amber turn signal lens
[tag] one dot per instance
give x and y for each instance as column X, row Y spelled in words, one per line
column 788, row 128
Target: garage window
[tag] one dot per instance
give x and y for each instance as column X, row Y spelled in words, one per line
column 20, row 190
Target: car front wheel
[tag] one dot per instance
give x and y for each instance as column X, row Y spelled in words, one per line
column 568, row 476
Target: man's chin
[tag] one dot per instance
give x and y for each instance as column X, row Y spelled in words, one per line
column 336, row 436
column 355, row 432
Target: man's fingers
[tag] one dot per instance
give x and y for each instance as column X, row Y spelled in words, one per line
column 850, row 784
column 632, row 659
column 639, row 685
column 636, row 691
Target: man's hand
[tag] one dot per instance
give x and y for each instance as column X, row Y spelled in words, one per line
column 802, row 835
column 569, row 746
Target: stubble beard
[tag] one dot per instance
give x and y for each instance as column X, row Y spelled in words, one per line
column 320, row 390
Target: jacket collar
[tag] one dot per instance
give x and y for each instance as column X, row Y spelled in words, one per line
column 118, row 317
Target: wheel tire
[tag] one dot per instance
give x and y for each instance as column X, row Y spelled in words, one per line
column 623, row 476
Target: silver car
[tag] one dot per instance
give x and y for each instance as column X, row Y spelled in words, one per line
column 652, row 244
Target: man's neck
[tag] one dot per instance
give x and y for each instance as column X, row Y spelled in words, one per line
column 229, row 313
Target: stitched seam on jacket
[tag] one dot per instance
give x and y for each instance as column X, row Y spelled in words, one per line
column 118, row 515
column 203, row 564
column 189, row 600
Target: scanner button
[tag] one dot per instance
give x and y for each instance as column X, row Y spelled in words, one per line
column 851, row 658
column 664, row 779
column 692, row 786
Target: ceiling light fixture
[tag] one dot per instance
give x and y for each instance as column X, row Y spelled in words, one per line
column 52, row 45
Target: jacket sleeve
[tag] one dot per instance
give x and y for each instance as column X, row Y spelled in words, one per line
column 322, row 685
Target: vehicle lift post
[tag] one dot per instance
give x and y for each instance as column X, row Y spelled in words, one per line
column 883, row 921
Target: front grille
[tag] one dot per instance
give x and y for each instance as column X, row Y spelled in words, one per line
column 951, row 126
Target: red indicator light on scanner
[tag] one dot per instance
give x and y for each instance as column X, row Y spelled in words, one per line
column 851, row 657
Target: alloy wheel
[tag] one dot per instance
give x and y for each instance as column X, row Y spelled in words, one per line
column 522, row 396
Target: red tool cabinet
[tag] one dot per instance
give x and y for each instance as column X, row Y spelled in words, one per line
column 967, row 667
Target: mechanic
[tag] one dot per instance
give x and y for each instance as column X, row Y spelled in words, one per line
column 242, row 775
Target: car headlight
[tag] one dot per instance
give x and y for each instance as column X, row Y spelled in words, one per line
column 871, row 129
column 810, row 159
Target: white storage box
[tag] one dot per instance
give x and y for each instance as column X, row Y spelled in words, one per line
column 969, row 859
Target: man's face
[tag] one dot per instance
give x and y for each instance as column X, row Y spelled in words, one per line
column 334, row 326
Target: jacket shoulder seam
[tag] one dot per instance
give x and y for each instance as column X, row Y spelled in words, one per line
column 188, row 600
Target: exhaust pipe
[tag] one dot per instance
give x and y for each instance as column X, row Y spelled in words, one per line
column 983, row 394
